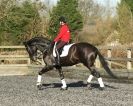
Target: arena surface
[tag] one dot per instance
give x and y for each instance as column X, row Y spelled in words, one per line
column 22, row 91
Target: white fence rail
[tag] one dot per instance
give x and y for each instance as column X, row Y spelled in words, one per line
column 9, row 53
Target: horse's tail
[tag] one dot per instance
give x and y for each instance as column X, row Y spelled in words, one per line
column 105, row 65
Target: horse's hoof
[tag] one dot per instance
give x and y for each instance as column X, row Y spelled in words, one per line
column 64, row 88
column 89, row 86
column 39, row 87
column 101, row 88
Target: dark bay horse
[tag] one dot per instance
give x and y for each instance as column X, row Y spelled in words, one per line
column 84, row 53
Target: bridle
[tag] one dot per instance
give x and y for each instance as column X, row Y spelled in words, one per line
column 40, row 52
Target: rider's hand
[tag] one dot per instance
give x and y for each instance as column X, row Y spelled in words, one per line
column 52, row 44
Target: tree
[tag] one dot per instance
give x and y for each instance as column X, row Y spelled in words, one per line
column 97, row 22
column 67, row 8
column 125, row 21
column 90, row 10
column 18, row 21
column 129, row 3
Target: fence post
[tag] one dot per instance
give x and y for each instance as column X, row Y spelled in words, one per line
column 129, row 64
column 28, row 61
column 109, row 56
column 98, row 64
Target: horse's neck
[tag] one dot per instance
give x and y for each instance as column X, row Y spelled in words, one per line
column 50, row 50
column 44, row 48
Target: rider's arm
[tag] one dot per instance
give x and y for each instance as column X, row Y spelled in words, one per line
column 62, row 31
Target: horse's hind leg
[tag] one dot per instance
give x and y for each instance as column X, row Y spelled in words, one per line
column 95, row 73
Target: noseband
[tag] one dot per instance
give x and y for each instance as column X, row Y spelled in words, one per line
column 41, row 51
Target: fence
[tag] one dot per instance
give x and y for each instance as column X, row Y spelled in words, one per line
column 25, row 57
column 9, row 53
column 111, row 60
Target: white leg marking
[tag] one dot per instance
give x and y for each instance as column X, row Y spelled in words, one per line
column 39, row 80
column 63, row 83
column 90, row 78
column 100, row 82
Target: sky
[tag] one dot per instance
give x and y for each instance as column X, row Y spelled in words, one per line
column 109, row 4
column 112, row 3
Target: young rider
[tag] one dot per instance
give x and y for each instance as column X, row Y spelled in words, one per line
column 62, row 38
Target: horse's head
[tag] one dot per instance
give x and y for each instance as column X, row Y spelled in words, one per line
column 34, row 44
column 32, row 51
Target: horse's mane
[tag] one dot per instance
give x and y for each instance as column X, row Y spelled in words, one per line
column 39, row 39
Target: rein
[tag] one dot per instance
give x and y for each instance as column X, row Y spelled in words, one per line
column 43, row 51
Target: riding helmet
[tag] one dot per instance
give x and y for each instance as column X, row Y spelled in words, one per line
column 62, row 19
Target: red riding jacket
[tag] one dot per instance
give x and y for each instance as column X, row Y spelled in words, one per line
column 64, row 34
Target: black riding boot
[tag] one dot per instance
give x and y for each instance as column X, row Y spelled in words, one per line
column 57, row 58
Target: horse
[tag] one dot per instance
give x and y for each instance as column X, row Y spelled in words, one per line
column 82, row 52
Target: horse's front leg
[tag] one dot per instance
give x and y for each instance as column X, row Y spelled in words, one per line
column 39, row 79
column 64, row 85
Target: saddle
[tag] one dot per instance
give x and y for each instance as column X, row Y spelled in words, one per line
column 64, row 52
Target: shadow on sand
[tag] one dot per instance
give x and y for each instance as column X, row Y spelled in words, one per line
column 75, row 85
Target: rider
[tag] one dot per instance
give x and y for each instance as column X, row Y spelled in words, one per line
column 62, row 38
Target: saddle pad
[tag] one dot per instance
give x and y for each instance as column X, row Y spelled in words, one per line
column 64, row 51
